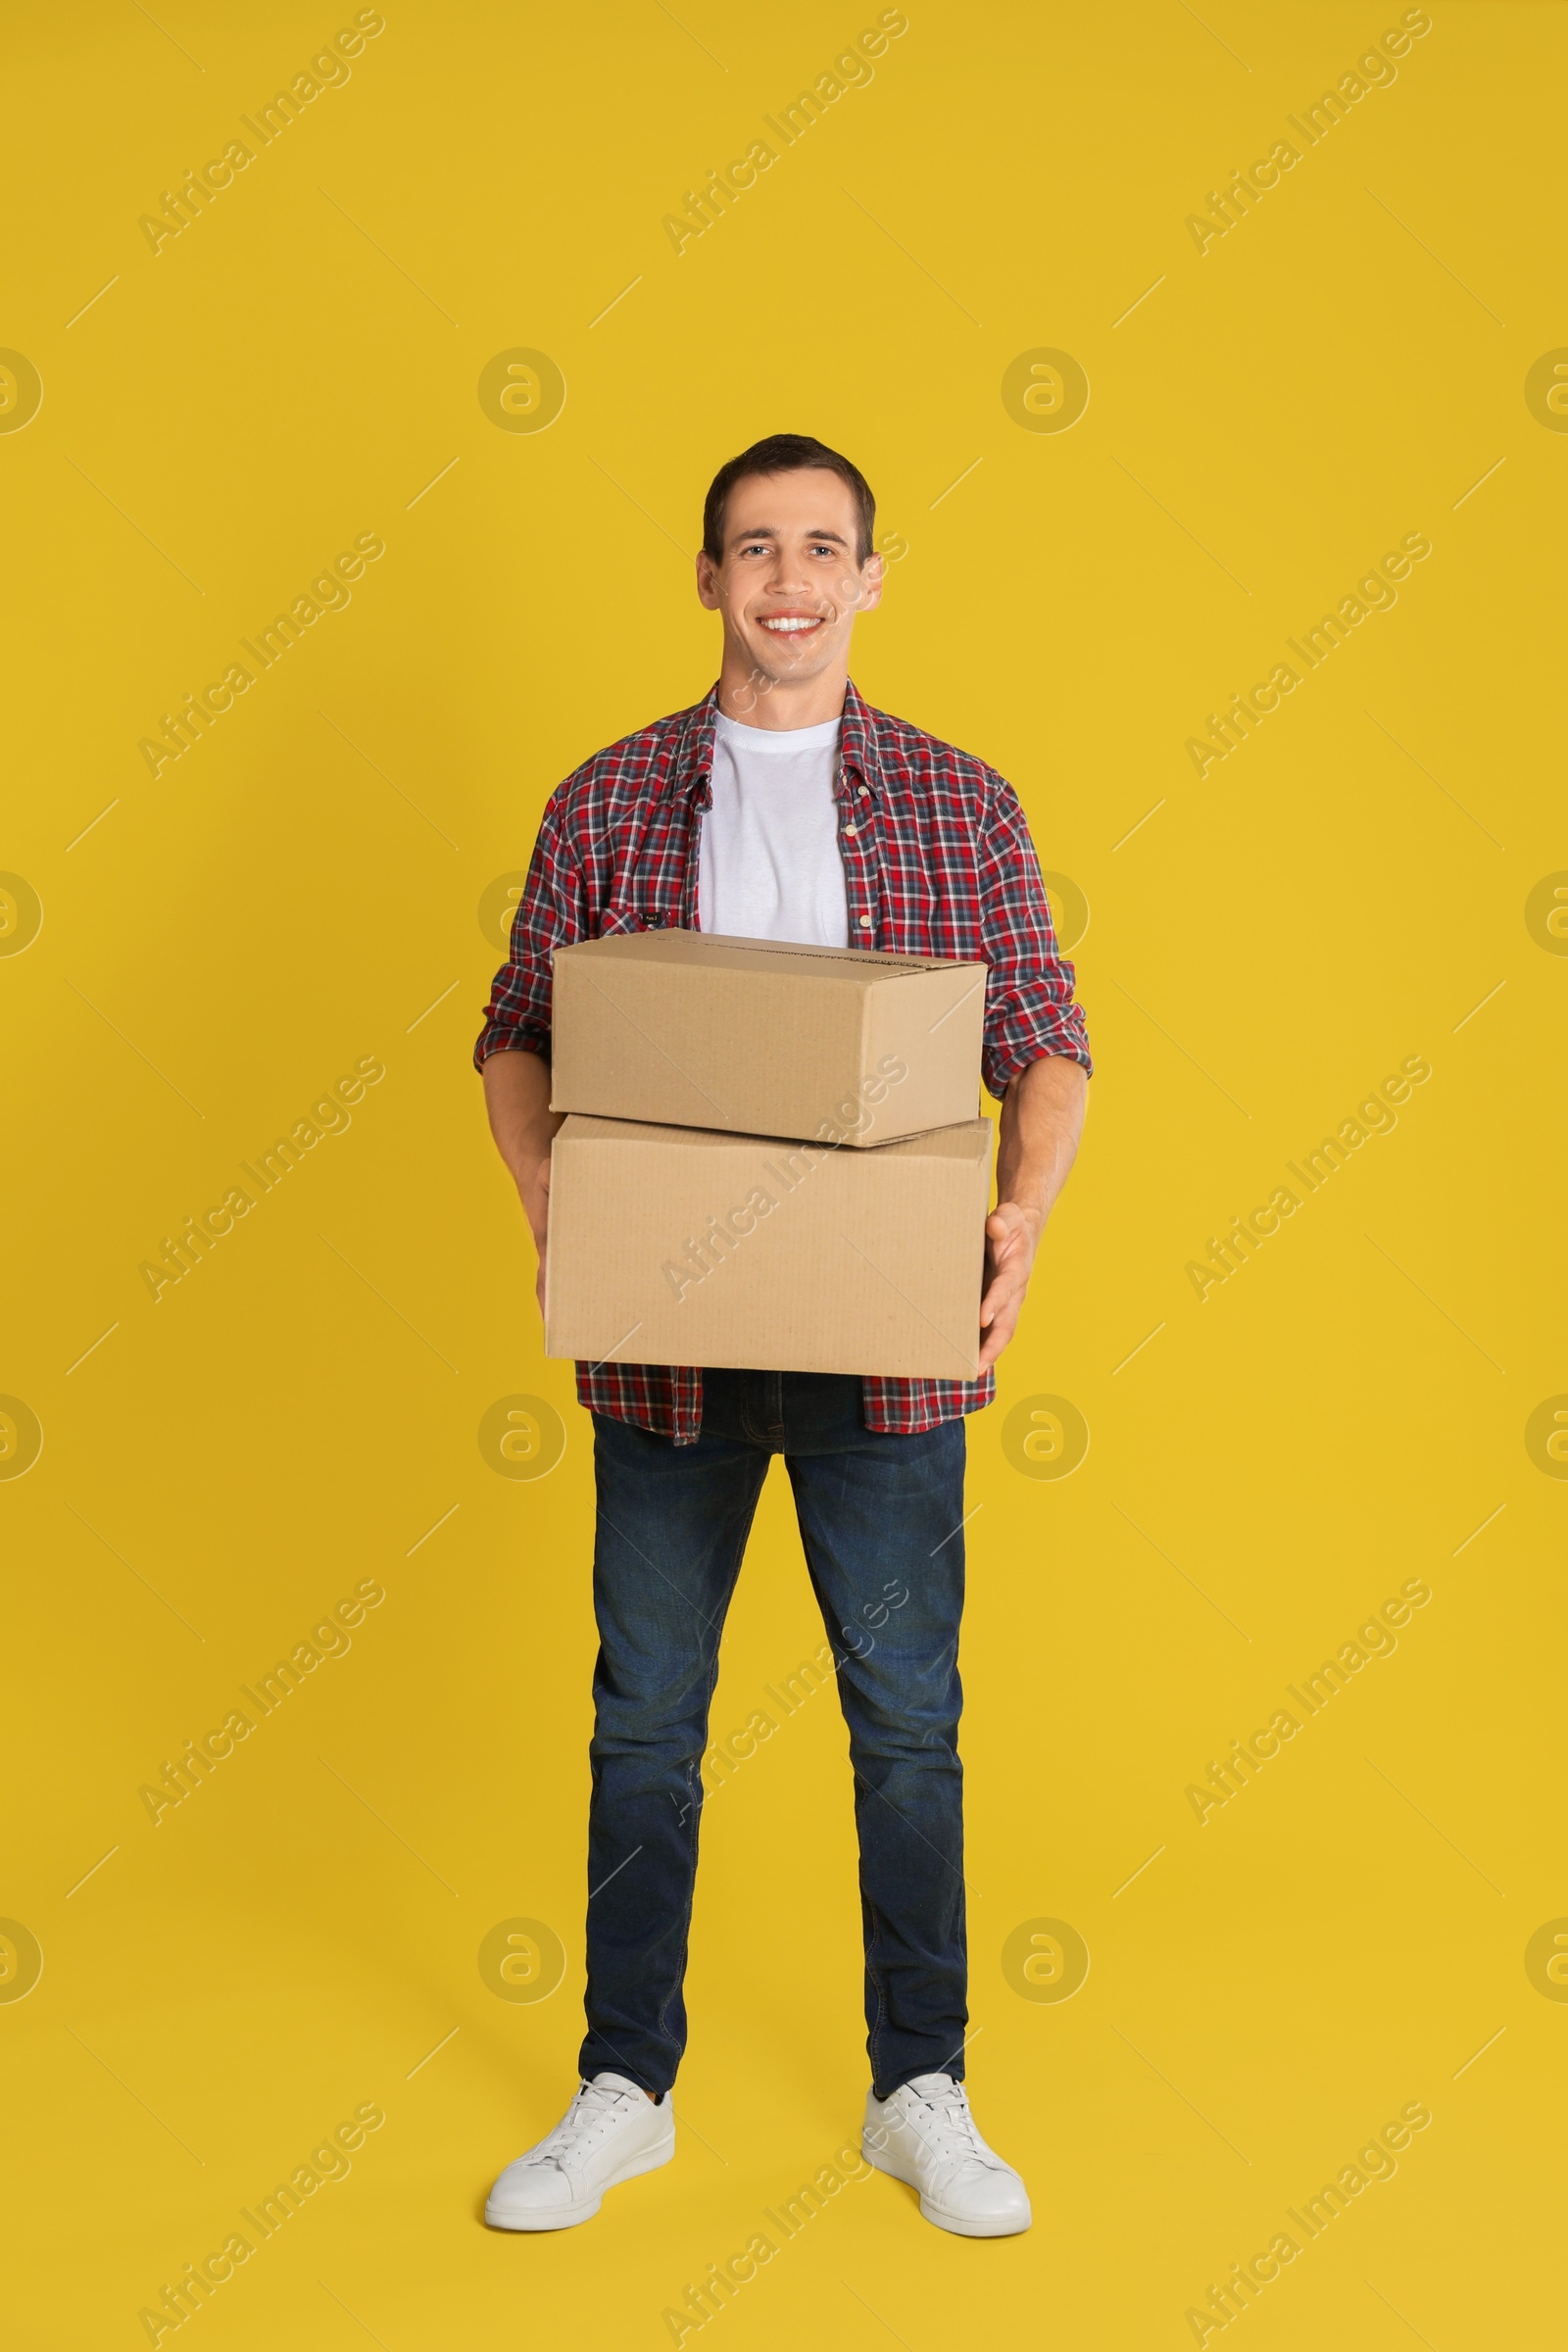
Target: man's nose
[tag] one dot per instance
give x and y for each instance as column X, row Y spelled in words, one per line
column 787, row 576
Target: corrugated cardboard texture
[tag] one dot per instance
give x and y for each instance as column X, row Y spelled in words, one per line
column 688, row 1029
column 682, row 1245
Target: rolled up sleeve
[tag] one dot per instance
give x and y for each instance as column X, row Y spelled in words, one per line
column 1030, row 1009
column 551, row 913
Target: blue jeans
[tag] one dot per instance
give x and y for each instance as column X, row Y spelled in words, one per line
column 881, row 1522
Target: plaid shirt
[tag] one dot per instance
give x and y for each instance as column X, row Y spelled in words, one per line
column 936, row 862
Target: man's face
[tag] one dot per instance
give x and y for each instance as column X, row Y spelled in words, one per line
column 791, row 582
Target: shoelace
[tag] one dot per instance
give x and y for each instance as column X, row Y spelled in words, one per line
column 590, row 2114
column 953, row 2128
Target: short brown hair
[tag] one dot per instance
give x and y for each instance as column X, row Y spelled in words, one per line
column 785, row 453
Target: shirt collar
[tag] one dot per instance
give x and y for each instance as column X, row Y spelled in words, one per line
column 693, row 759
column 858, row 742
column 694, row 749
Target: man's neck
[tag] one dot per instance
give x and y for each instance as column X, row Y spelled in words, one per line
column 782, row 705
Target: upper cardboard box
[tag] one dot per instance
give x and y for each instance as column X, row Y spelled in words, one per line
column 834, row 1045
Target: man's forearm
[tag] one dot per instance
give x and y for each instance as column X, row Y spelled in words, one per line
column 1041, row 1120
column 516, row 1098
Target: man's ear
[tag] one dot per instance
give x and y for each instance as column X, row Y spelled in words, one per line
column 872, row 574
column 709, row 593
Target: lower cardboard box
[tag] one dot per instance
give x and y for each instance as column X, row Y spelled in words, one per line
column 684, row 1246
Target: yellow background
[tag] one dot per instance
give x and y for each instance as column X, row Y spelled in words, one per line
column 293, row 370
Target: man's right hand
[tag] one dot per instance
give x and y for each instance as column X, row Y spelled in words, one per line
column 533, row 1191
column 516, row 1097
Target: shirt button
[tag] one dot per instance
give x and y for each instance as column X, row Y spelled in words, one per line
column 852, row 828
column 865, row 922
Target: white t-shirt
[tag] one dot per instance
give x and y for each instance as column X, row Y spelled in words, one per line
column 770, row 865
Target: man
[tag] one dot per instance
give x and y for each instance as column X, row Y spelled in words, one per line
column 783, row 806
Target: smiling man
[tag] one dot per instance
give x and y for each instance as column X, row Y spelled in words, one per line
column 783, row 806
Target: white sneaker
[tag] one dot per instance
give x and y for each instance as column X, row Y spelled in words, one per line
column 925, row 2134
column 609, row 2133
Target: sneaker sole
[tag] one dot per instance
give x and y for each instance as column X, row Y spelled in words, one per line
column 960, row 2224
column 514, row 2218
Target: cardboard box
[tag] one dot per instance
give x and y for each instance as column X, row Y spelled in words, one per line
column 688, row 1029
column 685, row 1245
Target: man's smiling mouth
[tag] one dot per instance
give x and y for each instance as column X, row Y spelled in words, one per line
column 792, row 624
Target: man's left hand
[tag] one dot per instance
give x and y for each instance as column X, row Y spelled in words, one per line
column 1012, row 1236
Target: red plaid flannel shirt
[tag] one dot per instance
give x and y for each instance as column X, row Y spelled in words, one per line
column 936, row 862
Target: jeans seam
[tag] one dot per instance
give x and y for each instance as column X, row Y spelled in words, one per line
column 874, row 2038
column 694, row 1811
